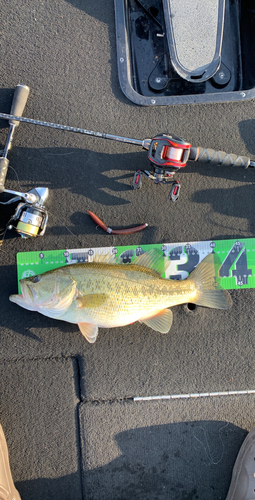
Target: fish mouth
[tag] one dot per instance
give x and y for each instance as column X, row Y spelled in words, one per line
column 26, row 298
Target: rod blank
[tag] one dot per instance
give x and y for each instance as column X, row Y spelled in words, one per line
column 77, row 130
column 194, row 395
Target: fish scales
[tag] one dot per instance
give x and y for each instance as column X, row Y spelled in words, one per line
column 106, row 294
column 130, row 291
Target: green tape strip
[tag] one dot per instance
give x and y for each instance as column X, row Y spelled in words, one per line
column 237, row 258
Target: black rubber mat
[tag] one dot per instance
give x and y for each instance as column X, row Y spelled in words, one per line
column 168, row 450
column 38, row 412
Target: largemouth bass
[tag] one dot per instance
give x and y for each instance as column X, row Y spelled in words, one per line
column 109, row 294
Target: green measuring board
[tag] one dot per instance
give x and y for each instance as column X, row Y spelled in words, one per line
column 237, row 258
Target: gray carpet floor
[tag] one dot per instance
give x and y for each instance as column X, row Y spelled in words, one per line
column 66, row 407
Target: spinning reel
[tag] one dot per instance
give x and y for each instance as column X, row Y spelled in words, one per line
column 30, row 217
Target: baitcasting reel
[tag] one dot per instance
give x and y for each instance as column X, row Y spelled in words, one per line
column 167, row 154
column 30, row 217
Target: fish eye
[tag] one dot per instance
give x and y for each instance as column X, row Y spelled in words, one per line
column 36, row 279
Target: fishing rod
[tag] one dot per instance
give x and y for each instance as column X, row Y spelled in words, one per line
column 30, row 217
column 18, row 104
column 167, row 153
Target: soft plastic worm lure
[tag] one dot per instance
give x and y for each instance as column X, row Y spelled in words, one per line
column 109, row 230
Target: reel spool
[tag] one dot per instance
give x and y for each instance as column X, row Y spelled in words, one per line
column 31, row 221
column 167, row 150
column 30, row 218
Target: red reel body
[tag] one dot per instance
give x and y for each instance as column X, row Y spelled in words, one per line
column 167, row 150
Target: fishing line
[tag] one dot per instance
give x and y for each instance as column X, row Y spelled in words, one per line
column 207, row 448
column 57, row 219
column 215, row 223
column 69, row 230
column 17, row 177
column 3, row 233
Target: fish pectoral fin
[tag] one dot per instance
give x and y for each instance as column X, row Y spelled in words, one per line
column 89, row 331
column 91, row 301
column 160, row 322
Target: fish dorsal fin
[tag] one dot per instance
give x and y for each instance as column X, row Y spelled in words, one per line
column 91, row 301
column 160, row 322
column 102, row 258
column 89, row 331
column 153, row 259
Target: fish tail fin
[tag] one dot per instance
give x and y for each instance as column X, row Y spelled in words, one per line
column 204, row 277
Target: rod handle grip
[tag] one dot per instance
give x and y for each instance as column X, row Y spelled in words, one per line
column 19, row 100
column 4, row 163
column 206, row 155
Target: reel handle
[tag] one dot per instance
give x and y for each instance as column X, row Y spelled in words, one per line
column 19, row 100
column 4, row 163
column 204, row 155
